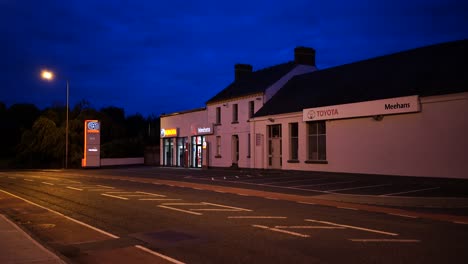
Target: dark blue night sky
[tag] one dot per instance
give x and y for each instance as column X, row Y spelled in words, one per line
column 154, row 57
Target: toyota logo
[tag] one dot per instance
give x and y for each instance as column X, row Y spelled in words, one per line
column 311, row 114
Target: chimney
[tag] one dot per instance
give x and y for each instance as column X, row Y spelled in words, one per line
column 304, row 55
column 241, row 71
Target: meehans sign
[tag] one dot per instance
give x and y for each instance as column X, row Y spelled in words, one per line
column 407, row 104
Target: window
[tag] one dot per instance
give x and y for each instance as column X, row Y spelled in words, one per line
column 251, row 108
column 248, row 145
column 235, row 116
column 317, row 148
column 218, row 146
column 293, row 141
column 218, row 115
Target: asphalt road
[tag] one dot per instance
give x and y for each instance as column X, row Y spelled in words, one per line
column 200, row 226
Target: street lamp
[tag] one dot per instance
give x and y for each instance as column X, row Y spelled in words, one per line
column 48, row 75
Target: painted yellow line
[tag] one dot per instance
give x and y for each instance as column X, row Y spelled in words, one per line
column 386, row 240
column 281, row 231
column 257, row 217
column 114, row 196
column 353, row 227
column 67, row 217
column 230, row 207
column 179, row 210
column 310, row 227
column 48, row 183
column 159, row 255
column 73, row 188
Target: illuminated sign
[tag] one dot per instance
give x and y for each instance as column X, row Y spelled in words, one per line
column 198, row 129
column 169, row 132
column 92, row 143
column 407, row 104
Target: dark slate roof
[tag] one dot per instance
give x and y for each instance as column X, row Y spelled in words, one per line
column 432, row 70
column 256, row 82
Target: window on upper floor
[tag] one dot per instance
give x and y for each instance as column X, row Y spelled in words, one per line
column 218, row 115
column 251, row 108
column 235, row 113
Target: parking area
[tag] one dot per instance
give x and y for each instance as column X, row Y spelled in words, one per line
column 332, row 183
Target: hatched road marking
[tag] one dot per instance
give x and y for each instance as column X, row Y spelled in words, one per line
column 281, row 231
column 386, row 240
column 413, row 191
column 353, row 227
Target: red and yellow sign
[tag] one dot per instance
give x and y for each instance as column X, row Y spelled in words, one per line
column 169, row 132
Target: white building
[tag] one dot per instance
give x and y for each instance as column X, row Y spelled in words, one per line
column 225, row 139
column 401, row 114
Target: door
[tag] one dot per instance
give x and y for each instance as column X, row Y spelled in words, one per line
column 274, row 147
column 235, row 149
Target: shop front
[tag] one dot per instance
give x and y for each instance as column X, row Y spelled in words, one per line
column 199, row 145
column 168, row 136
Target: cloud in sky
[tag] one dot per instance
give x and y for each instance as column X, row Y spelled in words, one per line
column 165, row 56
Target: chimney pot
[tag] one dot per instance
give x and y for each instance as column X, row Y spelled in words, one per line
column 304, row 55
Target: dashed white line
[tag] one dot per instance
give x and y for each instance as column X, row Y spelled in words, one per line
column 73, row 188
column 104, row 186
column 402, row 215
column 152, row 194
column 29, row 180
column 353, row 227
column 215, row 210
column 159, row 255
column 281, row 231
column 257, row 217
column 114, row 196
column 179, row 210
column 271, row 198
column 413, row 191
column 307, row 203
column 48, row 183
column 386, row 240
column 460, row 222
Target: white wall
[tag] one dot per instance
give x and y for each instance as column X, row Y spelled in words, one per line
column 430, row 143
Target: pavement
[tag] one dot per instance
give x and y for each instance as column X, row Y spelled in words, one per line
column 16, row 246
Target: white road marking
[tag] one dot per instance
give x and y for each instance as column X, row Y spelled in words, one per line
column 74, row 181
column 152, row 194
column 271, row 198
column 69, row 218
column 215, row 210
column 220, row 192
column 158, row 199
column 460, row 222
column 182, row 203
column 119, row 192
column 257, row 217
column 322, row 184
column 361, row 187
column 310, row 227
column 270, row 183
column 73, row 188
column 180, row 210
column 114, row 196
column 159, row 255
column 29, row 180
column 402, row 215
column 347, row 208
column 104, row 186
column 281, row 231
column 48, row 183
column 353, row 227
column 230, row 207
column 413, row 191
column 386, row 240
column 241, row 194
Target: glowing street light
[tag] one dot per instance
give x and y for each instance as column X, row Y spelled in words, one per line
column 48, row 75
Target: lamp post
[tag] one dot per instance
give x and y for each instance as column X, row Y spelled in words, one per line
column 48, row 75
